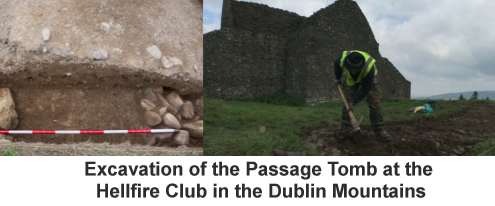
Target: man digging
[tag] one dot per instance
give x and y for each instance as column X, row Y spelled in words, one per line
column 357, row 73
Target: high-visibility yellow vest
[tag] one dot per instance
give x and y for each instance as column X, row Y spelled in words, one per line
column 367, row 68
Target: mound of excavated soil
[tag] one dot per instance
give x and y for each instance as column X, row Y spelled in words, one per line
column 454, row 134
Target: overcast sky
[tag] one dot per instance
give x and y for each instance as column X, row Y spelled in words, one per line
column 441, row 46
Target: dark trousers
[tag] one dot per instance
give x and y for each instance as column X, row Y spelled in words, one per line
column 373, row 96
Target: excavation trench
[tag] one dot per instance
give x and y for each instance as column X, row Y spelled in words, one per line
column 98, row 106
column 69, row 72
column 72, row 108
column 454, row 134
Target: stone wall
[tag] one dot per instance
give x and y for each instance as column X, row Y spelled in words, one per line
column 320, row 39
column 259, row 18
column 246, row 64
column 261, row 50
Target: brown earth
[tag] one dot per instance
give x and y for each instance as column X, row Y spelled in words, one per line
column 454, row 134
column 88, row 108
column 78, row 108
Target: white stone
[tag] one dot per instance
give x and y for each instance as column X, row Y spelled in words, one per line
column 150, row 94
column 195, row 128
column 162, row 111
column 147, row 104
column 187, row 110
column 45, row 34
column 106, row 27
column 154, row 51
column 175, row 101
column 262, row 129
column 181, row 138
column 169, row 62
column 99, row 54
column 171, row 121
column 8, row 115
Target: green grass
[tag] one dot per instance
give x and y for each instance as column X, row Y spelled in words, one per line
column 484, row 148
column 233, row 127
column 8, row 152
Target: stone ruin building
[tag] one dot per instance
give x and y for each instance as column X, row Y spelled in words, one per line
column 261, row 51
column 102, row 64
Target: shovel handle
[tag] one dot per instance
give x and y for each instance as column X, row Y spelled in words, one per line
column 352, row 118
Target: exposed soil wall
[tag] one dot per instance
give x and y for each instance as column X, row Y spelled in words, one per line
column 104, row 64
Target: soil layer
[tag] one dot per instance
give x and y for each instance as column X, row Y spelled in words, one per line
column 454, row 134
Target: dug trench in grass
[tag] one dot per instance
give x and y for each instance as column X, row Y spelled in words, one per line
column 236, row 127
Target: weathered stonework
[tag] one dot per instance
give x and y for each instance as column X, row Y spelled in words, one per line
column 260, row 51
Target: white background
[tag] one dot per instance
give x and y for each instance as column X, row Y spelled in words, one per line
column 61, row 180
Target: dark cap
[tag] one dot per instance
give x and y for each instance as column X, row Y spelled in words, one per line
column 354, row 60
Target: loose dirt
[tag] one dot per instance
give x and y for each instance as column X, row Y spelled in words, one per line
column 453, row 134
column 91, row 149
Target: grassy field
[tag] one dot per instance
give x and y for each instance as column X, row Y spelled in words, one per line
column 485, row 148
column 253, row 128
column 8, row 152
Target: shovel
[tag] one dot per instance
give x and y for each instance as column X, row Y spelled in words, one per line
column 352, row 118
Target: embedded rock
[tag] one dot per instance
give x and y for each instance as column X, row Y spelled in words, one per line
column 154, row 51
column 198, row 104
column 169, row 62
column 152, row 118
column 45, row 34
column 162, row 111
column 187, row 110
column 150, row 94
column 160, row 139
column 8, row 115
column 163, row 101
column 99, row 54
column 171, row 121
column 195, row 128
column 175, row 101
column 181, row 138
column 147, row 105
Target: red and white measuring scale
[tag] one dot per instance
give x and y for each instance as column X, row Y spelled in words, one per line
column 127, row 131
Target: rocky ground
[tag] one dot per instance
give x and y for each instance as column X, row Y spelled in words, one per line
column 454, row 134
column 167, row 109
column 91, row 149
